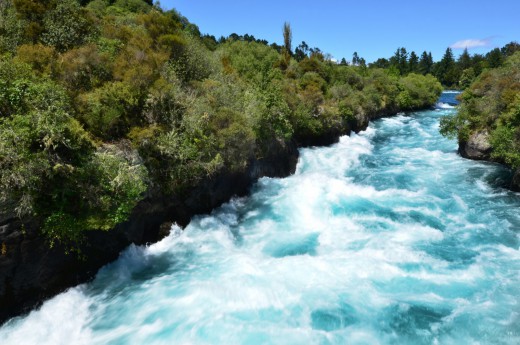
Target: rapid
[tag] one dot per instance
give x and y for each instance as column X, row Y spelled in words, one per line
column 388, row 237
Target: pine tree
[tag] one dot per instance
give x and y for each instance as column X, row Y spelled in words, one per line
column 494, row 58
column 424, row 65
column 413, row 63
column 403, row 61
column 287, row 45
column 400, row 60
column 464, row 60
column 446, row 70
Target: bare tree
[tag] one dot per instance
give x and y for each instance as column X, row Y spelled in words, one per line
column 287, row 44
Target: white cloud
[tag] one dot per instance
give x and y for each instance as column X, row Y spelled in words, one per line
column 470, row 43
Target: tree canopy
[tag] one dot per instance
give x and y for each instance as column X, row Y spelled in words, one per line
column 103, row 102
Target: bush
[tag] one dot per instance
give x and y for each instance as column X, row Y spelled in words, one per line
column 38, row 134
column 102, row 193
column 67, row 26
column 111, row 110
column 125, row 69
column 418, row 91
column 133, row 6
column 41, row 58
column 11, row 27
column 506, row 146
column 251, row 60
column 82, row 69
column 492, row 103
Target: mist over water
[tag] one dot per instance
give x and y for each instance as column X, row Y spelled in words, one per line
column 388, row 237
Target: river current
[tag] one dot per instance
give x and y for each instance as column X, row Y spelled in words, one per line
column 388, row 237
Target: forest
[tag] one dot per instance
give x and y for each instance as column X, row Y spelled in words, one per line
column 454, row 73
column 106, row 102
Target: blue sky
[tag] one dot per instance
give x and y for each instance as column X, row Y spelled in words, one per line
column 372, row 28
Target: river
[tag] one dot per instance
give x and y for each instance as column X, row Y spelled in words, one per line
column 388, row 237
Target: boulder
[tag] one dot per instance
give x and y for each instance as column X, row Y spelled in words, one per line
column 477, row 147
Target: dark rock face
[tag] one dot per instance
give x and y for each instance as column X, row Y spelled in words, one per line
column 477, row 147
column 515, row 182
column 31, row 271
column 328, row 138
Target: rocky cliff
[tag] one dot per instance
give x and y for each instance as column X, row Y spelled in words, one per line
column 31, row 271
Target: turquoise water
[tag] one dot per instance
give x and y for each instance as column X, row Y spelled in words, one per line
column 388, row 237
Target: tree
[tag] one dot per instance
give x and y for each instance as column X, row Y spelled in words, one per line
column 478, row 62
column 343, row 62
column 403, row 61
column 494, row 58
column 464, row 61
column 446, row 69
column 380, row 63
column 400, row 60
column 355, row 59
column 413, row 62
column 467, row 77
column 301, row 52
column 33, row 11
column 287, row 45
column 11, row 27
column 510, row 48
column 425, row 63
column 287, row 38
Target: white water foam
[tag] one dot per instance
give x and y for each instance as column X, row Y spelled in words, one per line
column 441, row 105
column 375, row 240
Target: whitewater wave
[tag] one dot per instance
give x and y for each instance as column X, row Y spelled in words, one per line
column 441, row 105
column 372, row 241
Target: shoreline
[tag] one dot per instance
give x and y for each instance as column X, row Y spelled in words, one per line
column 32, row 272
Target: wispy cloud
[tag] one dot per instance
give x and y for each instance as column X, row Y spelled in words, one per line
column 471, row 43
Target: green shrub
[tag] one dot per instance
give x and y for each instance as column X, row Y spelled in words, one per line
column 102, row 194
column 506, row 146
column 105, row 99
column 418, row 91
column 67, row 26
column 491, row 103
column 111, row 110
column 11, row 27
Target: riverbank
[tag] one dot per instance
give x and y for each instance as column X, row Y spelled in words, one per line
column 477, row 147
column 32, row 271
column 487, row 121
column 387, row 237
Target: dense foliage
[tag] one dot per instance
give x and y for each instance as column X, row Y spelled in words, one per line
column 103, row 100
column 452, row 73
column 492, row 104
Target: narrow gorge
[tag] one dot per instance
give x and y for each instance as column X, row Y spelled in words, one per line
column 387, row 237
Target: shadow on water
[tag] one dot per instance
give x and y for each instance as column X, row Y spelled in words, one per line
column 452, row 251
column 128, row 274
column 334, row 318
column 417, row 323
column 497, row 178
